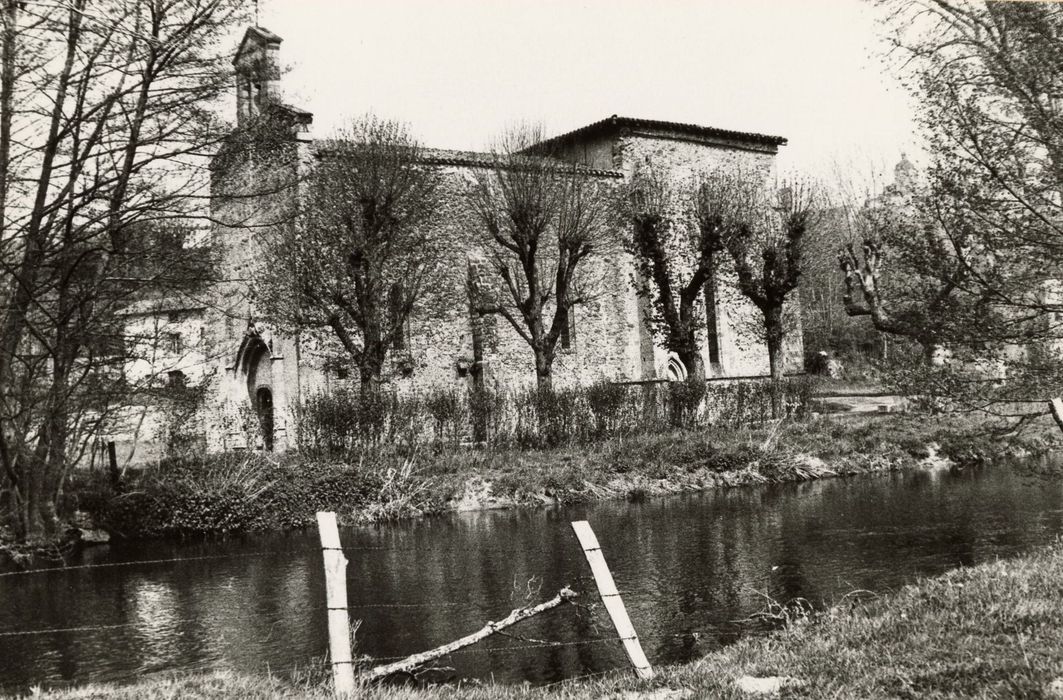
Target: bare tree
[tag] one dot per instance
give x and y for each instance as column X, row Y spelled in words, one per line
column 543, row 223
column 763, row 233
column 675, row 251
column 104, row 118
column 366, row 248
column 970, row 261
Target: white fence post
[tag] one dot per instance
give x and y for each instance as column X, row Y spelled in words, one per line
column 614, row 604
column 339, row 629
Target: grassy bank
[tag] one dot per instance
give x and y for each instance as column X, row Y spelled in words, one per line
column 236, row 494
column 991, row 631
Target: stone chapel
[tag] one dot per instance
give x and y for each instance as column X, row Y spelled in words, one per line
column 255, row 367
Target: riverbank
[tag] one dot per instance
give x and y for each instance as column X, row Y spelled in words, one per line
column 988, row 631
column 230, row 494
column 227, row 494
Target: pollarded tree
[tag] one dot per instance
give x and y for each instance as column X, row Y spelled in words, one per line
column 675, row 242
column 366, row 248
column 763, row 233
column 543, row 223
column 974, row 265
column 924, row 297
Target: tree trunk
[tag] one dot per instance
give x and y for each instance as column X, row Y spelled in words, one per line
column 371, row 366
column 476, row 371
column 691, row 359
column 775, row 337
column 544, row 366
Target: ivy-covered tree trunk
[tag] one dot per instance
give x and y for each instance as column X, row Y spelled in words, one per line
column 775, row 336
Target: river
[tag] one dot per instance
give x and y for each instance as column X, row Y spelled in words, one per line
column 692, row 570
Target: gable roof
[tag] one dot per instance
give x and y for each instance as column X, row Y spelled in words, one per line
column 616, row 123
column 259, row 34
column 477, row 159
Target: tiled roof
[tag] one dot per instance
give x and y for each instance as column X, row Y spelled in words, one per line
column 476, row 159
column 261, row 34
column 616, row 122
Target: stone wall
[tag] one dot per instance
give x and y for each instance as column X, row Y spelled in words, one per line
column 681, row 157
column 612, row 339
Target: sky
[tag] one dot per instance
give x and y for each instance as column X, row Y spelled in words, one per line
column 459, row 72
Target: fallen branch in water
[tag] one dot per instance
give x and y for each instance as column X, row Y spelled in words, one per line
column 565, row 595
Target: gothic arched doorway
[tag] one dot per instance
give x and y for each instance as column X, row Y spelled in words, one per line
column 264, row 409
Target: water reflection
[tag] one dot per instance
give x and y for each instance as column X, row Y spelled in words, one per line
column 691, row 569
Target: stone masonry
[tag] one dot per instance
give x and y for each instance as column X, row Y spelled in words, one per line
column 250, row 364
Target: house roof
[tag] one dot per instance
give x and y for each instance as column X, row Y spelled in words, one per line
column 615, row 123
column 260, row 34
column 477, row 159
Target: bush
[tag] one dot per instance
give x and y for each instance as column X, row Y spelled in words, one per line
column 448, row 415
column 607, row 401
column 237, row 493
column 816, row 361
column 346, row 423
column 684, row 400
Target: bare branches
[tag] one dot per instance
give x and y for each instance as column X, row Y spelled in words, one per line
column 366, row 246
column 543, row 223
column 968, row 259
column 765, row 241
column 103, row 112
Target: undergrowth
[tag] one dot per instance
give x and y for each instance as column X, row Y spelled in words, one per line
column 246, row 492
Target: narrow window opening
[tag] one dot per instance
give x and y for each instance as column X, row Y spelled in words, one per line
column 711, row 321
column 568, row 330
column 396, row 305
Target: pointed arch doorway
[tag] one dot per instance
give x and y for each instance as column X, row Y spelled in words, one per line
column 264, row 409
column 254, row 370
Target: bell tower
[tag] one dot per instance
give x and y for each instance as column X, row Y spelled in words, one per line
column 258, row 73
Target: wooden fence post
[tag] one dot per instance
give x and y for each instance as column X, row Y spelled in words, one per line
column 339, row 629
column 614, row 604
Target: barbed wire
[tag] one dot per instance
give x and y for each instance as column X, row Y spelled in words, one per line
column 236, row 555
column 56, row 630
column 137, row 562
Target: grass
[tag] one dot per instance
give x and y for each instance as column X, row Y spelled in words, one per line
column 693, row 460
column 227, row 493
column 990, row 631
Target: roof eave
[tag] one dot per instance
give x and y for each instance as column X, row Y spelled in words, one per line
column 615, row 123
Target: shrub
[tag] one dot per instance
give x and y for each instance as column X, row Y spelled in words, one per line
column 684, row 401
column 238, row 493
column 347, row 423
column 607, row 401
column 449, row 415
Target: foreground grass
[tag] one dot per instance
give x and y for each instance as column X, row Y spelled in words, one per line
column 991, row 631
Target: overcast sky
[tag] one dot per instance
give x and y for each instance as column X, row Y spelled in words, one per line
column 460, row 71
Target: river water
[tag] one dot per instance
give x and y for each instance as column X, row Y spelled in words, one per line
column 691, row 568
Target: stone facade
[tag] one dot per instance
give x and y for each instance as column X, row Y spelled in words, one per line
column 253, row 367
